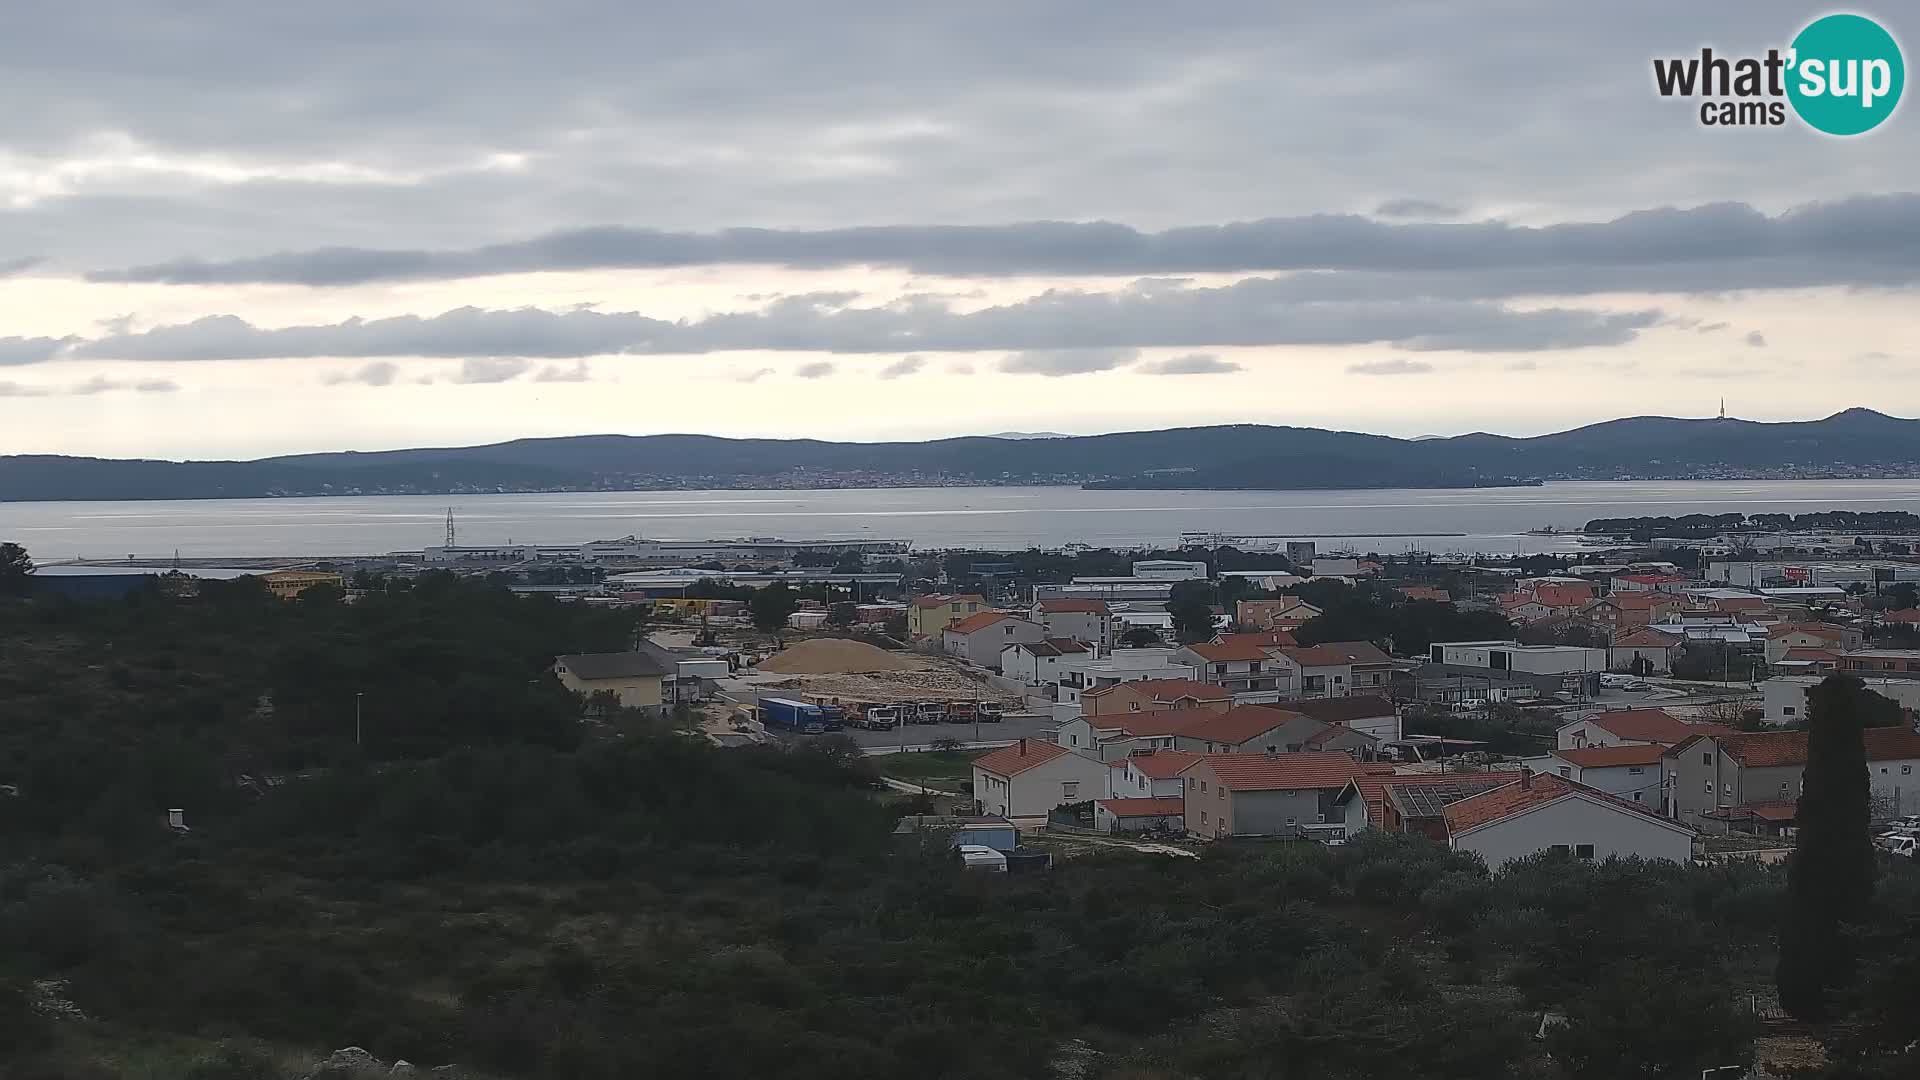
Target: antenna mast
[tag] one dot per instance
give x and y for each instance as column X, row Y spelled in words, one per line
column 450, row 526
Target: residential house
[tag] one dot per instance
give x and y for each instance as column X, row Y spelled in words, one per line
column 1338, row 668
column 1632, row 771
column 1239, row 666
column 1150, row 774
column 1413, row 803
column 1539, row 813
column 1728, row 781
column 1882, row 663
column 1522, row 608
column 1139, row 815
column 1249, row 729
column 1031, row 777
column 1090, row 621
column 1901, row 617
column 637, row 678
column 1804, row 661
column 1263, row 794
column 928, row 615
column 1082, row 674
column 1285, row 613
column 1624, row 610
column 1831, row 637
column 1425, row 592
column 1154, row 695
column 979, row 639
column 1624, row 727
column 1037, row 663
column 1644, row 651
column 287, row 584
column 1115, row 737
column 1783, row 698
column 1370, row 714
column 1750, row 606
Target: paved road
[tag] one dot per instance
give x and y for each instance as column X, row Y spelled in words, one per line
column 922, row 736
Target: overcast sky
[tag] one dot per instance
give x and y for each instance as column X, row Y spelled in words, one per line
column 248, row 229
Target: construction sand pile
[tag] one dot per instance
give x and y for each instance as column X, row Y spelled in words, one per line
column 832, row 656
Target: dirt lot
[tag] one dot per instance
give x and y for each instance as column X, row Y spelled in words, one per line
column 926, row 679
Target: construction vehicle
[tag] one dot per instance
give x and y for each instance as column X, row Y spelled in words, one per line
column 991, row 712
column 961, row 712
column 880, row 717
column 930, row 712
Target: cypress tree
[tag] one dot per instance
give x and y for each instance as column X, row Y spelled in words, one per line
column 1830, row 879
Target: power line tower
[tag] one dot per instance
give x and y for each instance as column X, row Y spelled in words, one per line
column 450, row 542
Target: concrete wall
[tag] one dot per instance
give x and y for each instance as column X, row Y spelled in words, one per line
column 1266, row 813
column 1613, row 832
column 636, row 692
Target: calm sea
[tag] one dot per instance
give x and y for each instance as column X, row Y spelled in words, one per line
column 1489, row 520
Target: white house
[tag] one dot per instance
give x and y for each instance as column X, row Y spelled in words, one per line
column 1631, row 771
column 1150, row 775
column 978, row 639
column 1083, row 673
column 1090, row 621
column 1037, row 663
column 1032, row 777
column 1621, row 727
column 1645, row 651
column 1548, row 813
column 1784, row 697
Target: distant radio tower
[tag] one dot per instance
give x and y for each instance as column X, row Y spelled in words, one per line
column 1723, row 416
column 450, row 521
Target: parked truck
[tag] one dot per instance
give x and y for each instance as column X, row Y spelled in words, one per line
column 803, row 717
column 930, row 712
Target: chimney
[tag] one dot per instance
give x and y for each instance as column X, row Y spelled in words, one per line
column 1526, row 778
column 1023, row 747
column 177, row 820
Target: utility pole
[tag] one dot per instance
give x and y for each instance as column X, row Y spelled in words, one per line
column 357, row 695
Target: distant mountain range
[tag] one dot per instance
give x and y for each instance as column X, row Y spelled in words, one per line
column 1857, row 442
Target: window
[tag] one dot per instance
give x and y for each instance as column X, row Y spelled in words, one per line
column 1637, row 795
column 1559, row 849
column 1706, row 758
column 1726, row 791
column 1906, row 770
column 1203, row 817
column 1073, row 740
column 1069, row 789
column 1709, row 787
column 1222, row 793
column 1203, row 786
column 1783, row 789
column 1565, row 771
column 1635, row 770
column 1583, row 851
column 1289, row 821
column 1219, row 669
column 1787, row 710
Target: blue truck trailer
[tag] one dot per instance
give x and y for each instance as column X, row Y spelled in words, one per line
column 803, row 717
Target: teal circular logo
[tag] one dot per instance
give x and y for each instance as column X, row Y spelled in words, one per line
column 1845, row 74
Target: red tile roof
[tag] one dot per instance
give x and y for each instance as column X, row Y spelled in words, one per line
column 1652, row 579
column 1051, row 647
column 1271, row 639
column 1425, row 592
column 1561, row 596
column 1904, row 615
column 1607, row 757
column 1374, row 787
column 1823, row 630
column 1342, row 710
column 975, row 623
column 1651, row 725
column 1228, row 651
column 1158, row 722
column 1167, row 690
column 1335, row 653
column 1892, row 744
column 1646, row 638
column 1157, row 807
column 1018, row 758
column 1773, row 811
column 1765, row 749
column 1333, row 731
column 1067, row 607
column 1528, row 792
column 1239, row 724
column 1281, row 772
column 1631, row 601
column 1807, row 652
column 1161, row 764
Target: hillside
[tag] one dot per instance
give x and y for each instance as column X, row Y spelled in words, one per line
column 1857, row 442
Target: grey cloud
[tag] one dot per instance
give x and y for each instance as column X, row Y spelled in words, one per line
column 960, row 367
column 1256, row 311
column 1191, row 364
column 477, row 369
column 1416, row 208
column 818, row 369
column 1054, row 363
column 554, row 373
column 1396, row 366
column 906, row 365
column 101, row 385
column 1756, row 339
column 1865, row 240
column 378, row 373
column 21, row 350
column 11, row 267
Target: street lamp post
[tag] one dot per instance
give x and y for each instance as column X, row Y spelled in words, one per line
column 357, row 695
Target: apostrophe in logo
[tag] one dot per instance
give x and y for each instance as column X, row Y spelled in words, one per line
column 1841, row 75
column 1846, row 74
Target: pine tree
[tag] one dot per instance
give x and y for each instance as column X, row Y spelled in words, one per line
column 1830, row 880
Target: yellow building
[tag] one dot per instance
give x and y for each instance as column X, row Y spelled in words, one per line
column 928, row 615
column 287, row 584
column 636, row 678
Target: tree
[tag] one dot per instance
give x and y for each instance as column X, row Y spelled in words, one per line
column 1830, row 879
column 15, row 569
column 1191, row 605
column 1636, row 1019
column 1140, row 637
column 771, row 607
column 842, row 614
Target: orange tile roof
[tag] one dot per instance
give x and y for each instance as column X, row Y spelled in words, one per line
column 1241, row 723
column 1825, row 630
column 1066, row 607
column 975, row 623
column 1765, row 749
column 1021, row 756
column 1651, row 725
column 1374, row 787
column 1161, row 764
column 1267, row 639
column 1892, row 744
column 1528, row 792
column 1807, row 652
column 1563, row 595
column 1335, row 653
column 1606, row 757
column 1167, row 690
column 1161, row 806
column 1158, row 722
column 1646, row 638
column 1773, row 811
column 1629, row 601
column 1281, row 772
column 1904, row 615
column 1425, row 592
column 1225, row 651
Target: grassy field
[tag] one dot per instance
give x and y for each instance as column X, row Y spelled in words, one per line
column 936, row 769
